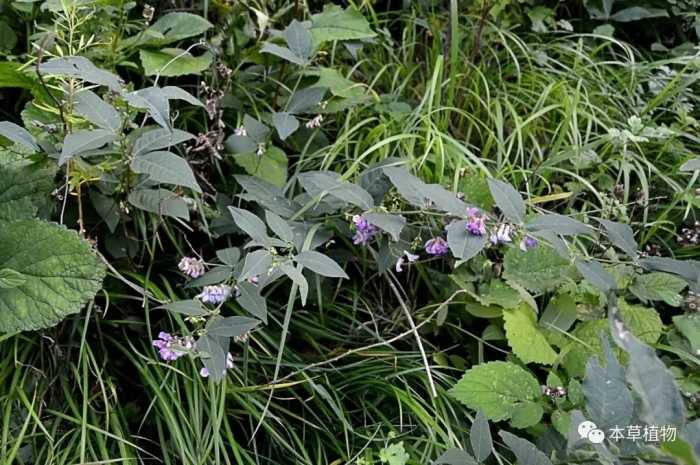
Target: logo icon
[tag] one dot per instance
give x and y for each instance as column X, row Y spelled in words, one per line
column 589, row 430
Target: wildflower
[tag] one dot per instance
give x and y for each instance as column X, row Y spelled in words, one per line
column 412, row 258
column 192, row 267
column 148, row 12
column 215, row 294
column 172, row 347
column 261, row 149
column 436, row 246
column 364, row 230
column 254, row 280
column 240, row 131
column 476, row 222
column 501, row 235
column 315, row 122
column 528, row 242
column 204, row 372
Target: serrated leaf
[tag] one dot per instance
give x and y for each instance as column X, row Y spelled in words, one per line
column 334, row 23
column 231, row 326
column 100, row 113
column 558, row 224
column 595, row 274
column 81, row 68
column 18, row 135
column 508, row 200
column 496, row 388
column 166, row 167
column 480, row 437
column 10, row 278
column 321, row 264
column 659, row 286
column 256, row 263
column 464, row 245
column 285, row 124
column 186, row 307
column 271, row 166
column 60, row 269
column 159, row 138
column 525, row 338
column 391, row 224
column 25, row 189
column 251, row 300
column 621, row 236
column 84, row 140
column 539, row 269
column 525, row 452
column 171, row 62
column 160, row 201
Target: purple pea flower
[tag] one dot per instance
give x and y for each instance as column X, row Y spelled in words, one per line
column 364, row 230
column 528, row 242
column 501, row 235
column 412, row 258
column 215, row 294
column 436, row 246
column 476, row 222
column 171, row 347
column 192, row 267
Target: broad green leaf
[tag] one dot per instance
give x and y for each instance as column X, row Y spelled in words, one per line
column 285, row 124
column 339, row 85
column 497, row 292
column 173, row 27
column 480, row 437
column 100, row 113
column 25, row 189
column 81, row 68
column 279, row 226
column 659, row 286
column 18, row 135
column 213, row 352
column 525, row 338
column 689, row 326
column 160, row 201
column 497, row 388
column 186, row 307
column 251, row 300
column 154, row 101
column 11, row 75
column 635, row 13
column 391, row 224
column 539, row 269
column 525, row 452
column 644, row 322
column 526, row 414
column 229, row 256
column 256, row 263
column 410, row 187
column 8, row 38
column 321, row 264
column 394, row 454
column 284, row 53
column 159, row 138
column 560, row 313
column 621, row 236
column 330, row 183
column 216, row 275
column 84, row 140
column 231, row 326
column 298, row 278
column 267, row 195
column 10, row 278
column 271, row 166
column 306, row 99
column 334, row 23
column 178, row 93
column 299, row 39
column 463, row 245
column 444, row 200
column 170, row 62
column 60, row 270
column 167, row 168
column 508, row 200
column 686, row 269
column 595, row 274
column 455, row 457
column 107, row 208
column 250, row 224
column 558, row 224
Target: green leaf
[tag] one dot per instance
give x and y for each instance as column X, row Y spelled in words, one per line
column 84, row 140
column 279, row 226
column 213, row 352
column 25, row 189
column 10, row 278
column 558, row 224
column 644, row 322
column 159, row 138
column 100, row 113
column 691, row 165
column 321, row 264
column 525, row 452
column 455, row 457
column 497, row 388
column 525, row 338
column 538, row 269
column 256, row 263
column 61, row 273
column 8, row 38
column 659, row 286
column 229, row 256
column 463, row 244
column 186, row 307
column 621, row 236
column 330, row 183
column 391, row 224
column 339, row 85
column 334, row 23
column 160, row 201
column 231, row 326
column 285, row 124
column 560, row 313
column 284, row 53
column 526, row 414
column 167, row 168
column 480, row 437
column 306, row 99
column 216, row 275
column 251, row 300
column 508, row 200
column 171, row 62
column 271, row 166
column 18, row 135
column 395, row 454
column 174, row 27
column 299, row 40
column 154, row 101
column 595, row 274
column 689, row 326
column 250, row 224
column 635, row 13
column 298, row 278
column 11, row 75
column 267, row 195
column 81, row 68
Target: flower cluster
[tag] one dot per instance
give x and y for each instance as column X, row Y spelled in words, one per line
column 315, row 122
column 192, row 267
column 172, row 347
column 528, row 242
column 437, row 246
column 215, row 294
column 204, row 372
column 476, row 222
column 501, row 235
column 364, row 230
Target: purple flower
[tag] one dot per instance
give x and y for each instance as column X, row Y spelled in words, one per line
column 172, row 347
column 192, row 267
column 528, row 242
column 412, row 258
column 436, row 246
column 476, row 222
column 215, row 294
column 364, row 230
column 501, row 235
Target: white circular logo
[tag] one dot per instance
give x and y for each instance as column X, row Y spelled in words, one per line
column 596, row 436
column 586, row 427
